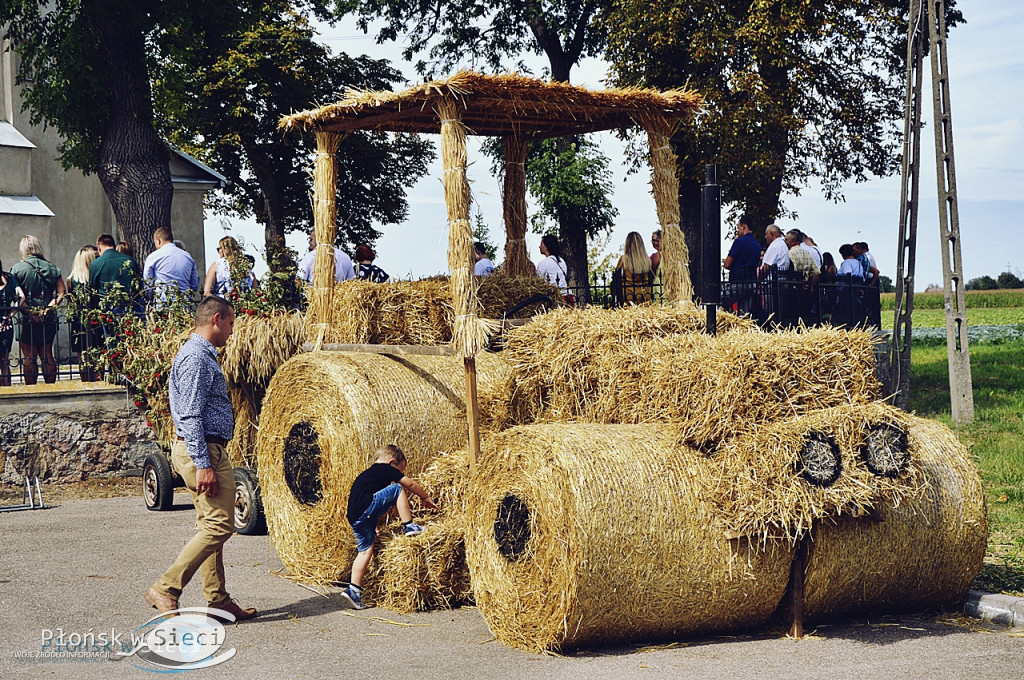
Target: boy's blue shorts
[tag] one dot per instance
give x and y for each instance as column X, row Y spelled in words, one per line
column 366, row 526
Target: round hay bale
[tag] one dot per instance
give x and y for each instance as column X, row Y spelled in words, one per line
column 921, row 553
column 583, row 533
column 324, row 415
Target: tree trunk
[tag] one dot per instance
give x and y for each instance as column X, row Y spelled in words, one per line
column 273, row 212
column 574, row 249
column 133, row 161
column 690, row 224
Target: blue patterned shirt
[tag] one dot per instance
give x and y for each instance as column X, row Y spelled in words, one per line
column 198, row 393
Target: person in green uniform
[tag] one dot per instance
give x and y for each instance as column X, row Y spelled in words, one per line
column 112, row 267
column 11, row 299
column 44, row 289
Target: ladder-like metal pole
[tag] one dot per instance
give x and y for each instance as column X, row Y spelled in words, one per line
column 961, row 396
column 904, row 305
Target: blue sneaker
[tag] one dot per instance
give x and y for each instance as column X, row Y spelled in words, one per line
column 412, row 529
column 353, row 595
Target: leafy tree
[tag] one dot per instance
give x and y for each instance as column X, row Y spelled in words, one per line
column 85, row 69
column 489, row 32
column 1008, row 280
column 492, row 33
column 982, row 283
column 222, row 103
column 885, row 284
column 794, row 90
column 571, row 184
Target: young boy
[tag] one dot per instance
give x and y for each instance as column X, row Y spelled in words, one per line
column 375, row 491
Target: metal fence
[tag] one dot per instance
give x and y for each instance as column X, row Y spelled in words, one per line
column 781, row 298
column 23, row 334
column 776, row 300
column 46, row 351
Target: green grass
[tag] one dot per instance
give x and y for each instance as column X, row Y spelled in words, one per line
column 975, row 299
column 997, row 440
column 980, row 316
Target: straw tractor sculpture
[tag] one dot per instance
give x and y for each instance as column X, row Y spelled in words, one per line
column 611, row 475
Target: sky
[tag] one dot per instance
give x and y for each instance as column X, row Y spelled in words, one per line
column 986, row 85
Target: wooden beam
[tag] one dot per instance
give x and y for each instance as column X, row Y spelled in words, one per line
column 431, row 350
column 472, row 414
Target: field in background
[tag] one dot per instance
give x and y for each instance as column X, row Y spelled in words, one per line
column 984, row 308
column 976, row 299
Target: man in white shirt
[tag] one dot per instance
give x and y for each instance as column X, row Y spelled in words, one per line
column 778, row 252
column 343, row 269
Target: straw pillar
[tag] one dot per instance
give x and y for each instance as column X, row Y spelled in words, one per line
column 325, row 181
column 517, row 261
column 469, row 333
column 675, row 257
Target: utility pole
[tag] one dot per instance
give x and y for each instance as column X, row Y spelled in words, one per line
column 961, row 396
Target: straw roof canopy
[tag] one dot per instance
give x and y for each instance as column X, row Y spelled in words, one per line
column 497, row 105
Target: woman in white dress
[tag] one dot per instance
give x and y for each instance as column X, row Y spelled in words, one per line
column 552, row 268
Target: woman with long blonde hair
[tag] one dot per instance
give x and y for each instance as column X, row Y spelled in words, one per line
column 219, row 280
column 632, row 278
column 84, row 336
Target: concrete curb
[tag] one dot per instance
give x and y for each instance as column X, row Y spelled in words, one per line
column 1002, row 610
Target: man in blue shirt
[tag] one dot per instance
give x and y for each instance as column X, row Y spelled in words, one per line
column 204, row 422
column 169, row 267
column 742, row 262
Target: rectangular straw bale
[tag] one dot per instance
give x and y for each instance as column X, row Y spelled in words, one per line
column 259, row 345
column 420, row 573
column 421, row 312
column 242, row 447
column 758, row 484
column 556, row 357
column 714, row 388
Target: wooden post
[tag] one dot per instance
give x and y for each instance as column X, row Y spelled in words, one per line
column 472, row 414
column 675, row 257
column 469, row 333
column 517, row 260
column 796, row 590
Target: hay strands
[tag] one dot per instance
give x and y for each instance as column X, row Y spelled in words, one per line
column 381, row 619
column 431, row 350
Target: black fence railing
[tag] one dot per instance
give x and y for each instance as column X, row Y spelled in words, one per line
column 46, row 350
column 59, row 348
column 781, row 298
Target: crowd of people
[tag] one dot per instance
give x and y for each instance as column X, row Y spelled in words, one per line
column 794, row 256
column 107, row 272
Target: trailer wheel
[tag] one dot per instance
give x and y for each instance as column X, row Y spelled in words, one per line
column 249, row 518
column 157, row 482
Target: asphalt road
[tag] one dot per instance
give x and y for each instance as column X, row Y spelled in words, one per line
column 82, row 567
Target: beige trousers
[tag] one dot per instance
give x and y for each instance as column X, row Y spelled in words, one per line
column 215, row 525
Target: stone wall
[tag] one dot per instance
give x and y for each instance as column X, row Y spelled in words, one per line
column 70, row 431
